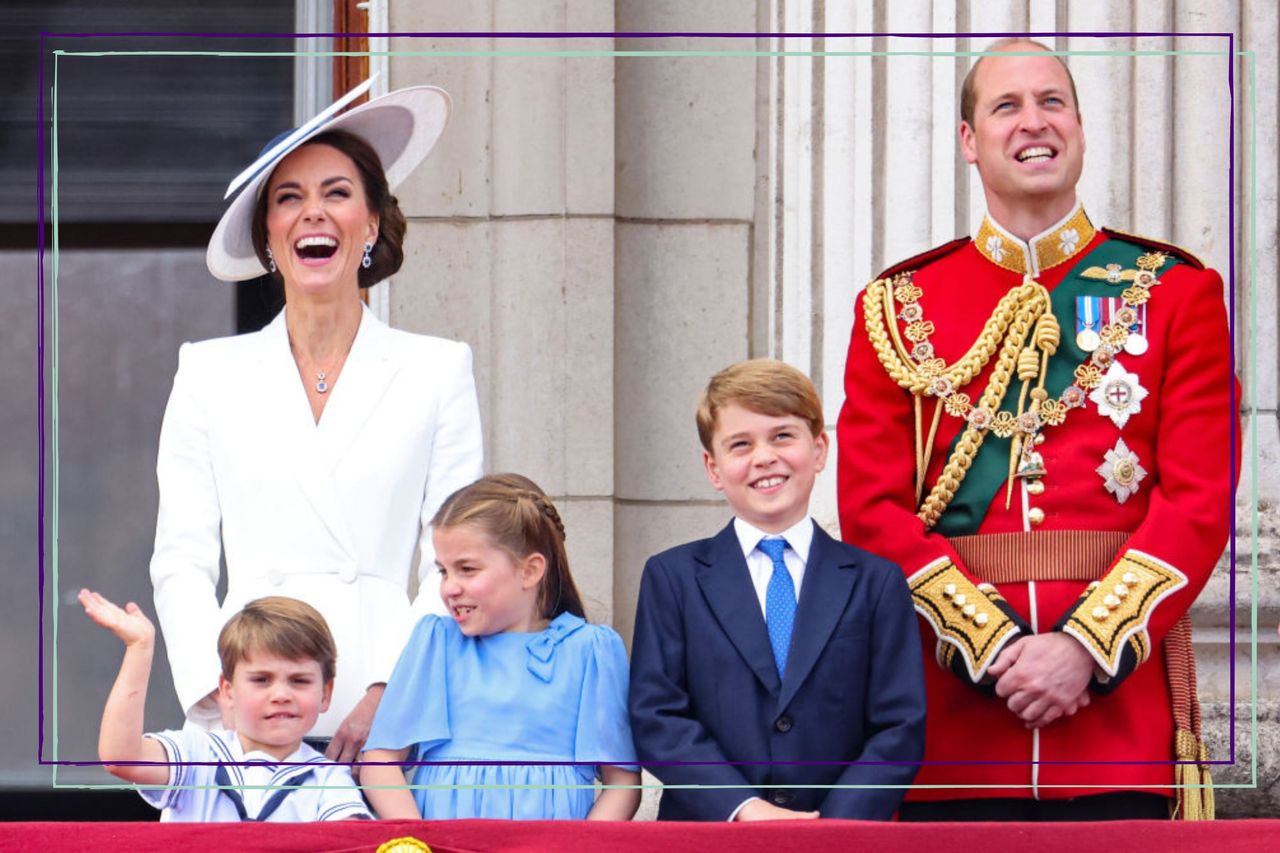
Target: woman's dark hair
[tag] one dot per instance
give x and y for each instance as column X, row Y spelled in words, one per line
column 388, row 251
column 519, row 518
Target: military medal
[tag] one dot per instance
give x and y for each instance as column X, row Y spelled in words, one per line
column 1118, row 394
column 1135, row 345
column 1134, row 317
column 1087, row 320
column 1121, row 472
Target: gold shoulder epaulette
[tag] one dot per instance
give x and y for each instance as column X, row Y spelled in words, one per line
column 1156, row 245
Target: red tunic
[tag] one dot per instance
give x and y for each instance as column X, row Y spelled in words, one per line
column 1172, row 529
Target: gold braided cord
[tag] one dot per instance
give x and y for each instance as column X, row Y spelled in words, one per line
column 1048, row 333
column 920, row 460
column 882, row 326
column 893, row 326
column 1015, row 318
column 957, row 466
column 928, row 445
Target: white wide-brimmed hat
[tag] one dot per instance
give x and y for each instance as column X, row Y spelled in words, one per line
column 402, row 126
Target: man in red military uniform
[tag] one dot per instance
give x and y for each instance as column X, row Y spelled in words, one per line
column 1038, row 429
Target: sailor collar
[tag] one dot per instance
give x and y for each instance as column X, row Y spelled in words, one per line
column 1062, row 242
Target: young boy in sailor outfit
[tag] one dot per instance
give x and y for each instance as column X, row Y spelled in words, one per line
column 277, row 678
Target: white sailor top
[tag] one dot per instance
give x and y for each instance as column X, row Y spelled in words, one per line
column 213, row 780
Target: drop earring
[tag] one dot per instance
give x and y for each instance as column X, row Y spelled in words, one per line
column 271, row 260
column 367, row 261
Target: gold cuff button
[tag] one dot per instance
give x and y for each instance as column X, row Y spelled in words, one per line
column 1100, row 613
column 1035, row 515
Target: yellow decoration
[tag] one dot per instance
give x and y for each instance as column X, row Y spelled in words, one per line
column 406, row 844
column 1114, row 276
column 1004, row 424
column 1053, row 412
column 1088, row 376
column 978, row 640
column 1152, row 261
column 1136, row 295
column 958, row 404
column 1105, row 636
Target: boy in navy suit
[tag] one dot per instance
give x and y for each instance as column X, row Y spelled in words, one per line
column 773, row 657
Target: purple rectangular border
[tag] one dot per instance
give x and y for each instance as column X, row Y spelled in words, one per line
column 1231, row 278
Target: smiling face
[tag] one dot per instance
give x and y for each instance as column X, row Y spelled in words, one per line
column 318, row 220
column 765, row 465
column 487, row 590
column 274, row 701
column 1026, row 138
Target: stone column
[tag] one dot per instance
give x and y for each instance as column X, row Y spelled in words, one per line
column 686, row 186
column 510, row 248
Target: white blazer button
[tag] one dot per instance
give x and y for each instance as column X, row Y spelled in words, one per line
column 275, row 577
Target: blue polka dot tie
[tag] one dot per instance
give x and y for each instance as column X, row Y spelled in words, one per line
column 779, row 602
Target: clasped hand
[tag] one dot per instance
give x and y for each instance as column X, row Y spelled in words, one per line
column 1043, row 677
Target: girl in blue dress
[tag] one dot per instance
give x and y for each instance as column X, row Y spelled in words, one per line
column 496, row 698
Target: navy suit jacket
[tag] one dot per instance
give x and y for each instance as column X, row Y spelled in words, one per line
column 705, row 688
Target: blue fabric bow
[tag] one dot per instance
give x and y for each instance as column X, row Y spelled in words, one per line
column 542, row 647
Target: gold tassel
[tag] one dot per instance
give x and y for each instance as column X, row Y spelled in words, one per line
column 1028, row 369
column 1195, row 800
column 1207, row 795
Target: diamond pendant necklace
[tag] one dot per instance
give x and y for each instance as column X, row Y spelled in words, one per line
column 322, row 383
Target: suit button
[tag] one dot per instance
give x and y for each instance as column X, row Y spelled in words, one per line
column 1035, row 515
column 275, row 577
column 781, row 798
column 783, row 724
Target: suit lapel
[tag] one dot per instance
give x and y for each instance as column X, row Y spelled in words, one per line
column 828, row 583
column 364, row 380
column 285, row 415
column 722, row 574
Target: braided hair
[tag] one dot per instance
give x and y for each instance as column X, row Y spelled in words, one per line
column 520, row 519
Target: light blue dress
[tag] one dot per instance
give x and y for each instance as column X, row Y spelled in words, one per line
column 558, row 695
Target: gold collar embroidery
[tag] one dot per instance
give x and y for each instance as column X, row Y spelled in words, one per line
column 1046, row 250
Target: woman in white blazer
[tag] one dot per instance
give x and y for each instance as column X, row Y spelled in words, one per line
column 310, row 456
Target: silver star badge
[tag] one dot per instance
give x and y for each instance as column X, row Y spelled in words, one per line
column 1121, row 472
column 1119, row 394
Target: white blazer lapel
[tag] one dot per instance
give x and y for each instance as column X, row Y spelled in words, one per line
column 285, row 413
